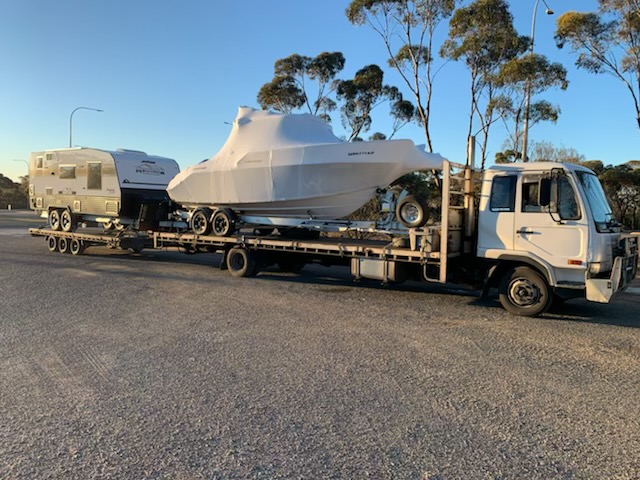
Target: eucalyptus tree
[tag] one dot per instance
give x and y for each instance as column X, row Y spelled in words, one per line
column 407, row 29
column 289, row 89
column 530, row 74
column 606, row 42
column 482, row 35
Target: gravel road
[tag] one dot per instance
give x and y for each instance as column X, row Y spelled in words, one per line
column 160, row 365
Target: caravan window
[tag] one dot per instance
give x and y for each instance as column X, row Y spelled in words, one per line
column 39, row 163
column 67, row 171
column 94, row 176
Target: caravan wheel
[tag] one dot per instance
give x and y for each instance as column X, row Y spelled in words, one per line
column 54, row 219
column 67, row 222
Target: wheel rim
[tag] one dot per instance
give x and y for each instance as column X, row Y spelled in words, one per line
column 76, row 246
column 52, row 244
column 524, row 293
column 54, row 220
column 410, row 213
column 63, row 245
column 236, row 261
column 199, row 223
column 65, row 221
column 221, row 225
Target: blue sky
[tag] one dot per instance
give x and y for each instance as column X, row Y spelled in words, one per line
column 169, row 73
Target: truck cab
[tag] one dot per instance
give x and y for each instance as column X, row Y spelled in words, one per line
column 548, row 232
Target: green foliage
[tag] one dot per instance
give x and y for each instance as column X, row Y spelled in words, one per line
column 407, row 28
column 12, row 193
column 595, row 165
column 622, row 185
column 483, row 36
column 606, row 42
column 288, row 90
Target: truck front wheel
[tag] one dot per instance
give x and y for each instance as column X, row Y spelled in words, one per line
column 523, row 291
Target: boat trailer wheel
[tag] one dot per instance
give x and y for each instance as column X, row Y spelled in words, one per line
column 200, row 221
column 223, row 223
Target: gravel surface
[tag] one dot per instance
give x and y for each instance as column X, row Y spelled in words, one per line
column 160, row 365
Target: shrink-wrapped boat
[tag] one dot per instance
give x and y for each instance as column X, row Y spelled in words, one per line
column 294, row 166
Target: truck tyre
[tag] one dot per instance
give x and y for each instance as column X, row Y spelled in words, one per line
column 523, row 291
column 67, row 222
column 199, row 222
column 63, row 245
column 240, row 263
column 223, row 223
column 54, row 219
column 76, row 247
column 412, row 212
column 52, row 244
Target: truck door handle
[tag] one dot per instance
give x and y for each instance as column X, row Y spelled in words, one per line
column 523, row 231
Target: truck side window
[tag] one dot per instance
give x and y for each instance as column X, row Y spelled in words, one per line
column 94, row 176
column 503, row 194
column 567, row 204
column 531, row 196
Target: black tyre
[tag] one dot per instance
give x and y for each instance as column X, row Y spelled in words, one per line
column 223, row 223
column 63, row 245
column 241, row 263
column 523, row 291
column 76, row 247
column 52, row 244
column 54, row 219
column 67, row 221
column 412, row 212
column 199, row 222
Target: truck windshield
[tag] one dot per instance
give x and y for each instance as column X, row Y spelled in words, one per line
column 600, row 209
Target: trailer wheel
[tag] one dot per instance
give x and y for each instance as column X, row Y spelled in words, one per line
column 412, row 212
column 67, row 222
column 223, row 223
column 76, row 247
column 523, row 291
column 199, row 221
column 63, row 245
column 54, row 219
column 240, row 263
column 52, row 244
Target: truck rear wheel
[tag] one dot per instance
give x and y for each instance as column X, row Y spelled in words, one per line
column 523, row 291
column 240, row 263
column 54, row 219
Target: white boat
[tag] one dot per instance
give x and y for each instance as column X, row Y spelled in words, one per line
column 294, row 166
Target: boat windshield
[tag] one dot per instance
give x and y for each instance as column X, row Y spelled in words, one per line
column 597, row 200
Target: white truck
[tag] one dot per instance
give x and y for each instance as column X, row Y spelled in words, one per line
column 535, row 232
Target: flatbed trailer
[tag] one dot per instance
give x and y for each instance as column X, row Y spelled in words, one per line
column 244, row 254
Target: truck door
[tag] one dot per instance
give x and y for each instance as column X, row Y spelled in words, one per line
column 559, row 239
column 496, row 220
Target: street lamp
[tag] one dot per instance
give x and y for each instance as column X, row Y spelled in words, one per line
column 71, row 120
column 527, row 98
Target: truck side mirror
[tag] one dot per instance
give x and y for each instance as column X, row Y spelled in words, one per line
column 544, row 192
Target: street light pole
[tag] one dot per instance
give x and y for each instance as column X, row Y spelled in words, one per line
column 71, row 120
column 527, row 93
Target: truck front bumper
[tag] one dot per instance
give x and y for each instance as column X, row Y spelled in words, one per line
column 624, row 270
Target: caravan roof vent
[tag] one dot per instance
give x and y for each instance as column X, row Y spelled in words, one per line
column 126, row 150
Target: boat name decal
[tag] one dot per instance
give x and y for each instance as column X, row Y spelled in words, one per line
column 360, row 153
